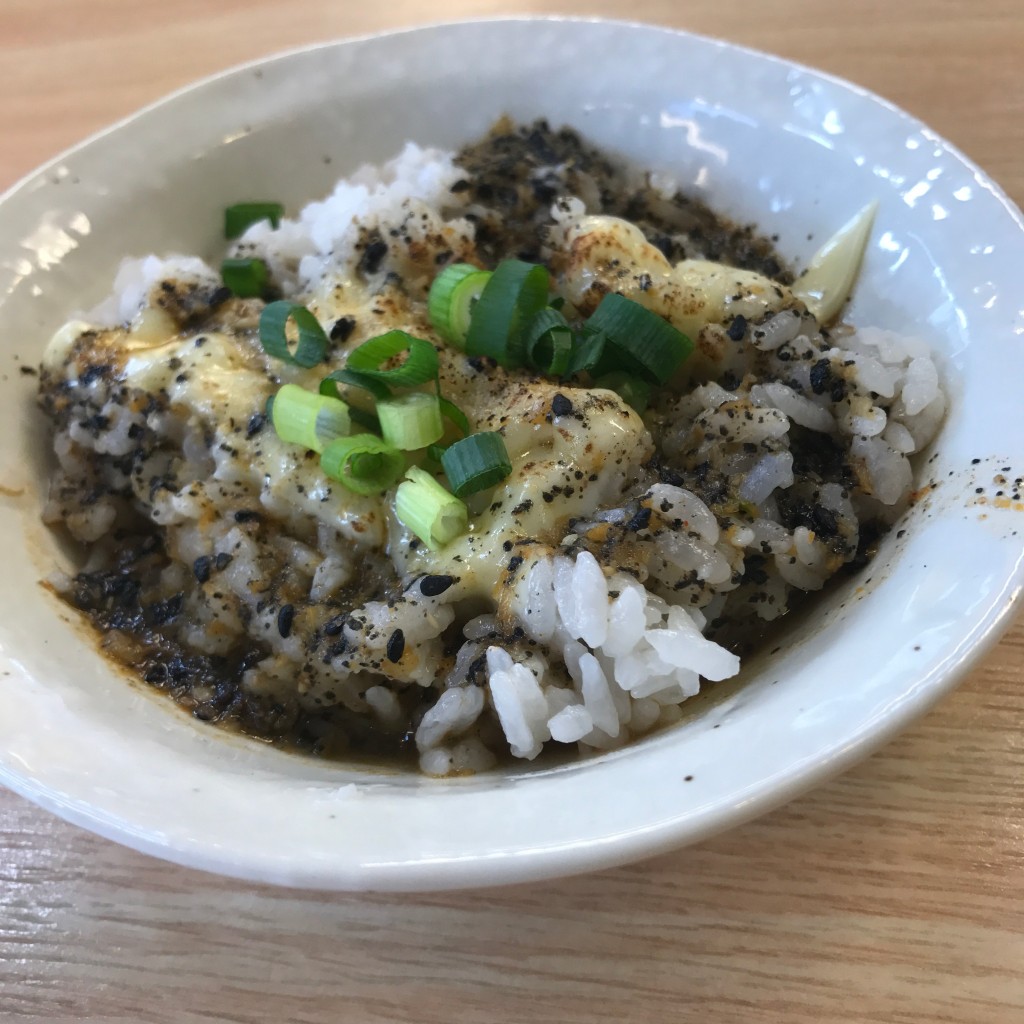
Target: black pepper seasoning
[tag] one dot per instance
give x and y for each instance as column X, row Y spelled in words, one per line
column 561, row 406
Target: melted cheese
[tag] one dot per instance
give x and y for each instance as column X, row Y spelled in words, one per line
column 610, row 254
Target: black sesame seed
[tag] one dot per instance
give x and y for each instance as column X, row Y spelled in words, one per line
column 255, row 425
column 285, row 617
column 432, row 586
column 201, row 568
column 396, row 646
column 222, row 560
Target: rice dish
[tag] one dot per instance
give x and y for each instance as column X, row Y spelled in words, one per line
column 625, row 558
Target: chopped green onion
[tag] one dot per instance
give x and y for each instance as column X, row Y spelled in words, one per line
column 513, row 296
column 363, row 463
column 312, row 344
column 592, row 352
column 243, row 215
column 435, row 451
column 329, row 385
column 411, row 421
column 247, row 278
column 643, row 343
column 301, row 417
column 450, row 411
column 548, row 342
column 452, row 297
column 419, row 367
column 423, row 506
column 476, row 463
column 365, row 419
column 634, row 391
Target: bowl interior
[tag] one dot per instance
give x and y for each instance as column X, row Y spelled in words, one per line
column 762, row 140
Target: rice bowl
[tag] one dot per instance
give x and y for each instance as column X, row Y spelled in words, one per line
column 766, row 777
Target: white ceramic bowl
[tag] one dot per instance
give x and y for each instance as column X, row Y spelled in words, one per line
column 790, row 148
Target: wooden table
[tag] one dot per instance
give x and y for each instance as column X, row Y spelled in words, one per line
column 894, row 894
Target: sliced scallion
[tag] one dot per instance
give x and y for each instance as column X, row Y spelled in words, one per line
column 476, row 463
column 450, row 411
column 329, row 385
column 643, row 342
column 514, row 295
column 452, row 297
column 243, row 215
column 312, row 342
column 548, row 342
column 420, row 364
column 592, row 353
column 247, row 278
column 302, row 417
column 411, row 421
column 363, row 463
column 367, row 420
column 424, row 507
column 633, row 390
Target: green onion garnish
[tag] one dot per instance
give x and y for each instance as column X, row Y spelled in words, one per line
column 329, row 385
column 423, row 506
column 514, row 295
column 312, row 344
column 450, row 411
column 243, row 215
column 548, row 342
column 634, row 391
column 592, row 352
column 367, row 420
column 452, row 297
column 301, row 417
column 362, row 463
column 411, row 421
column 247, row 278
column 476, row 463
column 642, row 342
column 419, row 366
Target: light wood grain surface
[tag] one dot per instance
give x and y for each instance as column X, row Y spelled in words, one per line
column 894, row 894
